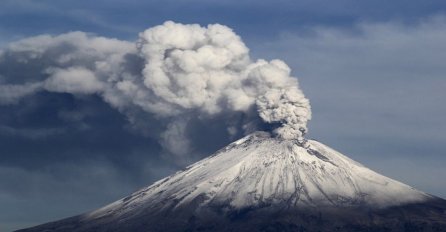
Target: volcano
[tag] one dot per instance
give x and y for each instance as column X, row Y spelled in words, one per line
column 265, row 183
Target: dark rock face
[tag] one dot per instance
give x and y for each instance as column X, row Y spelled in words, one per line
column 427, row 216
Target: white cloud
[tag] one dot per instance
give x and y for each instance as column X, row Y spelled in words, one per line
column 73, row 80
column 173, row 72
column 11, row 94
column 209, row 69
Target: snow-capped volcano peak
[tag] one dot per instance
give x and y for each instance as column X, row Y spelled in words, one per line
column 259, row 170
column 266, row 183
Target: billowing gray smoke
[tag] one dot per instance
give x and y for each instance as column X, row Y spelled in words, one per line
column 175, row 74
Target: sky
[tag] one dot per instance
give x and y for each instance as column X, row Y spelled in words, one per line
column 373, row 71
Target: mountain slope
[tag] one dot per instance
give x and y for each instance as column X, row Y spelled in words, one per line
column 265, row 183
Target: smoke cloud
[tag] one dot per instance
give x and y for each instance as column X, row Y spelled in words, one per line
column 175, row 78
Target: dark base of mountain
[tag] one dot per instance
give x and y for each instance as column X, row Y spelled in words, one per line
column 427, row 217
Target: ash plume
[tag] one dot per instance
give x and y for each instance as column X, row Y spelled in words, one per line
column 172, row 79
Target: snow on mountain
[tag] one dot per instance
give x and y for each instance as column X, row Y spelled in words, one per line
column 267, row 183
column 260, row 170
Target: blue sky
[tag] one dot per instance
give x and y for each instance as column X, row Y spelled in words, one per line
column 373, row 70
